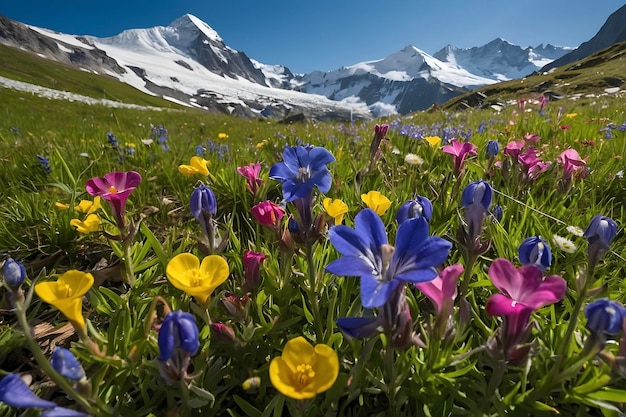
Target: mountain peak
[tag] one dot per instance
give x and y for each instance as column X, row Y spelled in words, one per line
column 191, row 22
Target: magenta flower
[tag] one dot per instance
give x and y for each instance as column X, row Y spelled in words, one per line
column 252, row 266
column 572, row 163
column 115, row 187
column 268, row 213
column 459, row 150
column 531, row 138
column 513, row 149
column 522, row 291
column 442, row 290
column 251, row 173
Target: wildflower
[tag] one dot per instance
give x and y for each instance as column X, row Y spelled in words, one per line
column 251, row 173
column 599, row 234
column 15, row 393
column 130, row 148
column 418, row 207
column 476, row 199
column 45, row 164
column 89, row 225
column 222, row 136
column 443, row 288
column 535, row 251
column 65, row 363
column 522, row 291
column 223, row 333
column 459, row 150
column 572, row 163
column 376, row 201
column 531, row 138
column 575, row 230
column 252, row 267
column 63, row 412
column 89, row 207
column 197, row 165
column 301, row 170
column 382, row 267
column 335, row 209
column 493, row 148
column 236, row 306
column 513, row 149
column 203, row 206
column 268, row 213
column 115, row 187
column 303, row 371
column 413, row 159
column 496, row 212
column 66, row 294
column 564, row 244
column 14, row 273
column 379, row 134
column 433, row 141
column 178, row 342
column 605, row 316
column 112, row 140
column 187, row 273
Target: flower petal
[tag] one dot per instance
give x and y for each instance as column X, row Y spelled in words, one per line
column 298, row 351
column 15, row 393
column 319, row 158
column 359, row 327
column 350, row 266
column 501, row 305
column 326, row 369
column 282, row 379
column 375, row 293
column 506, row 278
column 549, row 291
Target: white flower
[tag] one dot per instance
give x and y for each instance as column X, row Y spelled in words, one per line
column 564, row 244
column 413, row 159
column 395, row 151
column 147, row 142
column 576, row 231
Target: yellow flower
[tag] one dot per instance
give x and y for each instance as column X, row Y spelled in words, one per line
column 185, row 272
column 571, row 115
column 89, row 207
column 62, row 206
column 66, row 294
column 303, row 371
column 433, row 140
column 197, row 165
column 222, row 136
column 335, row 209
column 376, row 201
column 262, row 143
column 90, row 224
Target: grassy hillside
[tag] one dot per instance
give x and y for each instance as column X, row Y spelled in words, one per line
column 28, row 67
column 592, row 75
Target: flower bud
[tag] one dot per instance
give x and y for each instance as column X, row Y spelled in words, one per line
column 14, row 273
column 535, row 251
column 268, row 213
column 477, row 192
column 252, row 267
column 223, row 333
column 605, row 316
column 419, row 207
column 202, row 200
column 496, row 212
column 493, row 148
column 601, row 229
column 178, row 331
column 236, row 306
column 64, row 362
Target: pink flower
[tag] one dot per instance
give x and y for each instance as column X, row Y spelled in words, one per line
column 115, row 187
column 459, row 150
column 531, row 138
column 522, row 291
column 572, row 163
column 251, row 173
column 252, row 266
column 513, row 149
column 268, row 213
column 442, row 290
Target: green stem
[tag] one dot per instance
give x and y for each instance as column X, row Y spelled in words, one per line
column 312, row 294
column 45, row 365
column 391, row 374
column 129, row 270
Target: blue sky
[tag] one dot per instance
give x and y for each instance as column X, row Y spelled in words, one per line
column 325, row 35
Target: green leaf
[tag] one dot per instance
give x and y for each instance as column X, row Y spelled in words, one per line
column 537, row 405
column 593, row 385
column 609, row 394
column 247, row 408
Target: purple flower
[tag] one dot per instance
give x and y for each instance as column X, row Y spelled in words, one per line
column 522, row 291
column 493, row 148
column 605, row 316
column 203, row 206
column 252, row 266
column 382, row 267
column 178, row 331
column 15, row 393
column 602, row 229
column 459, row 150
column 535, row 251
column 442, row 290
column 115, row 187
column 418, row 207
column 63, row 412
column 301, row 170
column 477, row 192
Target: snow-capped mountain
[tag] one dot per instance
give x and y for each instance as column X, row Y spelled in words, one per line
column 500, row 60
column 188, row 62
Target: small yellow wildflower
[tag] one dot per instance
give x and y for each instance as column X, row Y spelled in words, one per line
column 434, row 141
column 376, row 201
column 222, row 136
column 185, row 272
column 335, row 209
column 89, row 225
column 197, row 165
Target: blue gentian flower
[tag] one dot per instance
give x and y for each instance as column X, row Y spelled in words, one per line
column 202, row 200
column 477, row 192
column 496, row 212
column 419, row 207
column 64, row 362
column 535, row 251
column 15, row 393
column 301, row 170
column 178, row 331
column 14, row 273
column 493, row 147
column 382, row 267
column 602, row 229
column 605, row 316
column 45, row 163
column 361, row 327
column 63, row 412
